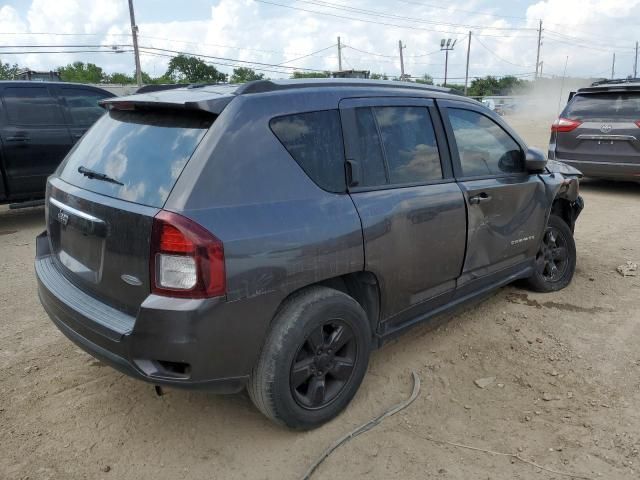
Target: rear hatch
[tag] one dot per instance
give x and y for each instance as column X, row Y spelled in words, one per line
column 600, row 127
column 102, row 200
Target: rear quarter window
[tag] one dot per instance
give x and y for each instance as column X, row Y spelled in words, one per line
column 146, row 151
column 314, row 140
column 608, row 105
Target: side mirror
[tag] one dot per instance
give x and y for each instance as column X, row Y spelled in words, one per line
column 535, row 160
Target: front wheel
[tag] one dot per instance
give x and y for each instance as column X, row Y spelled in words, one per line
column 556, row 258
column 313, row 360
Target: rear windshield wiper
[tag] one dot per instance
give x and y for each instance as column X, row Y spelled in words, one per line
column 87, row 172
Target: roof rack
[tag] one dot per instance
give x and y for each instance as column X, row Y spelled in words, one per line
column 614, row 81
column 262, row 86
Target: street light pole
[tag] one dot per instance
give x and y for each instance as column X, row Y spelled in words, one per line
column 446, row 46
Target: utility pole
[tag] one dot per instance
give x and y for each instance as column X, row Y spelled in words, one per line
column 400, row 46
column 635, row 63
column 339, row 55
column 541, row 65
column 446, row 46
column 539, row 45
column 134, row 35
column 466, row 76
column 613, row 67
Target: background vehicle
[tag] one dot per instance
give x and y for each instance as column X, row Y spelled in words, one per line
column 598, row 132
column 269, row 235
column 39, row 123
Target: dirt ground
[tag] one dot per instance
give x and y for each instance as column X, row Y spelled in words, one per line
column 566, row 393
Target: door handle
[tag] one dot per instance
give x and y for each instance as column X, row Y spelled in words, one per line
column 18, row 138
column 480, row 198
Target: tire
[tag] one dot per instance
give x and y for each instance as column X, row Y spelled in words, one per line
column 299, row 380
column 556, row 259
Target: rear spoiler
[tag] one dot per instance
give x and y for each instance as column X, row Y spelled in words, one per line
column 610, row 88
column 165, row 101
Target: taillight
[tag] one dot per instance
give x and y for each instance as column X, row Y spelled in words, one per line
column 186, row 260
column 565, row 125
column 638, row 123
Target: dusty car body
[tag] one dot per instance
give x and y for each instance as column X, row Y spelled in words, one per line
column 269, row 235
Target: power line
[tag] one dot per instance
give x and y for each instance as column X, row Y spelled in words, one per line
column 310, row 54
column 584, row 40
column 68, row 46
column 408, row 27
column 461, row 10
column 68, row 34
column 218, row 45
column 499, row 57
column 178, row 52
column 261, row 69
column 377, row 13
column 25, row 52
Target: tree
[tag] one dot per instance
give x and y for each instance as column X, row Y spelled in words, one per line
column 244, row 74
column 379, row 76
column 186, row 69
column 81, row 73
column 7, row 71
column 120, row 78
column 297, row 74
column 425, row 79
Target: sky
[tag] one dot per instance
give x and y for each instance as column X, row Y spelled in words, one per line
column 579, row 35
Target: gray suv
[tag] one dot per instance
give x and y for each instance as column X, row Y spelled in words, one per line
column 598, row 132
column 268, row 236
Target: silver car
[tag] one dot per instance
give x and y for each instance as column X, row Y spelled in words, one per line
column 598, row 132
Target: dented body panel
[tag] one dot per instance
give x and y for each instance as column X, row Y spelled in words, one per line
column 414, row 250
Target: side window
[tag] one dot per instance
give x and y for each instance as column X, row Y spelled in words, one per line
column 83, row 105
column 31, row 106
column 370, row 149
column 314, row 140
column 484, row 147
column 409, row 144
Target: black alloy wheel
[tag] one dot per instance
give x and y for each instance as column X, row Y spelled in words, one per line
column 555, row 262
column 323, row 364
column 552, row 260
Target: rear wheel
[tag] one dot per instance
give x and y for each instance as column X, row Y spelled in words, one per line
column 556, row 258
column 313, row 360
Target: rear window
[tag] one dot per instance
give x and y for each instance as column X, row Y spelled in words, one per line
column 145, row 151
column 314, row 140
column 610, row 105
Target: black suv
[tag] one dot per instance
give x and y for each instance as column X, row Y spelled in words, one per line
column 39, row 123
column 598, row 132
column 268, row 236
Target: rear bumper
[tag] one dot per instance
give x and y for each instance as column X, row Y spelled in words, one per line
column 607, row 170
column 205, row 344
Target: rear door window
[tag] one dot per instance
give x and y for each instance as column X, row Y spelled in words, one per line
column 372, row 163
column 483, row 146
column 604, row 106
column 409, row 144
column 146, row 151
column 397, row 146
column 83, row 105
column 314, row 140
column 31, row 106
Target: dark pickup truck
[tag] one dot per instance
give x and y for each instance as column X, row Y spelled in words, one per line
column 39, row 123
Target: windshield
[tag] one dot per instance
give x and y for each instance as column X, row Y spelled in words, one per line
column 143, row 152
column 604, row 106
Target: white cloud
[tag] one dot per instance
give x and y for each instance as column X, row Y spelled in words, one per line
column 272, row 34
